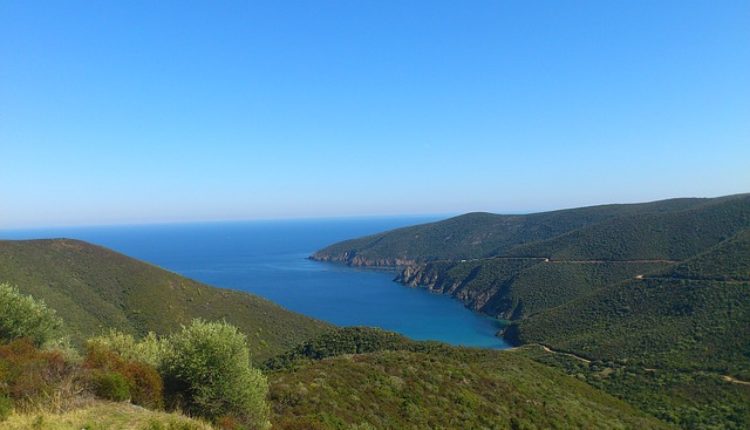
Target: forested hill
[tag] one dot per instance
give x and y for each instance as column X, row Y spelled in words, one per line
column 499, row 265
column 95, row 289
column 483, row 235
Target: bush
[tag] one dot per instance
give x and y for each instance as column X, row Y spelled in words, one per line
column 32, row 377
column 111, row 386
column 144, row 384
column 150, row 349
column 25, row 317
column 208, row 373
column 6, row 407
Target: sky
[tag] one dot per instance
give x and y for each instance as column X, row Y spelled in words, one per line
column 141, row 111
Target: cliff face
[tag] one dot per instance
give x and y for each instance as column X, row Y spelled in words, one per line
column 351, row 258
column 436, row 279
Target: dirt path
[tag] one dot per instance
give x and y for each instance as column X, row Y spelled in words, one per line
column 577, row 357
column 734, row 380
column 564, row 261
column 547, row 349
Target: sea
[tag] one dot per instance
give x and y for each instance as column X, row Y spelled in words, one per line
column 270, row 259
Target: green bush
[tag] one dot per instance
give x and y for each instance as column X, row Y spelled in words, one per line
column 150, row 349
column 23, row 316
column 6, row 407
column 144, row 382
column 111, row 386
column 207, row 373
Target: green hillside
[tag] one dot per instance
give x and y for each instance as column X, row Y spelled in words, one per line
column 650, row 303
column 440, row 388
column 674, row 344
column 681, row 324
column 671, row 236
column 94, row 289
column 727, row 261
column 514, row 266
column 515, row 288
column 480, row 235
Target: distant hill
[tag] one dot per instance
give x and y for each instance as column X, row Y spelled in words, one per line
column 514, row 266
column 482, row 235
column 94, row 289
column 396, row 383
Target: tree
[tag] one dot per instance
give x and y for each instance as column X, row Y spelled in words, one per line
column 207, row 373
column 23, row 316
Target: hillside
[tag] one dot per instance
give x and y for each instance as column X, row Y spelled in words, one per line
column 94, row 289
column 513, row 266
column 680, row 318
column 406, row 384
column 481, row 235
column 515, row 288
column 650, row 304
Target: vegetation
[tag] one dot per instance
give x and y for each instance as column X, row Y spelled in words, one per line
column 691, row 400
column 602, row 284
column 481, row 235
column 728, row 261
column 672, row 236
column 94, row 290
column 123, row 377
column 630, row 338
column 688, row 325
column 348, row 340
column 24, row 316
column 445, row 389
column 208, row 373
column 514, row 288
column 206, row 367
column 104, row 416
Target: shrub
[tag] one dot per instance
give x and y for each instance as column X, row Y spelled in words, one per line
column 145, row 386
column 23, row 316
column 150, row 349
column 111, row 386
column 31, row 376
column 208, row 373
column 6, row 407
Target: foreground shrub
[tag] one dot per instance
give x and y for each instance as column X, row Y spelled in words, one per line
column 23, row 316
column 110, row 386
column 207, row 373
column 35, row 378
column 142, row 381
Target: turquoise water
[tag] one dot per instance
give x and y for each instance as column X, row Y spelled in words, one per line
column 270, row 259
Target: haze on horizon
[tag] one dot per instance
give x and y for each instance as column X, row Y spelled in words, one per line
column 137, row 112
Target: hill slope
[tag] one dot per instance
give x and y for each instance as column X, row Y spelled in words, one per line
column 481, row 235
column 397, row 383
column 94, row 289
column 513, row 266
column 680, row 318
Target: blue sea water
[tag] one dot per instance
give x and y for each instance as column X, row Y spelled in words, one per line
column 269, row 258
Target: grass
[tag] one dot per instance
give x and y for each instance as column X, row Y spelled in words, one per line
column 104, row 416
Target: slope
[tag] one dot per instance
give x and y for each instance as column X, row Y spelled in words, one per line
column 405, row 384
column 94, row 289
column 481, row 235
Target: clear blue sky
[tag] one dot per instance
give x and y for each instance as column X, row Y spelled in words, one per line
column 154, row 111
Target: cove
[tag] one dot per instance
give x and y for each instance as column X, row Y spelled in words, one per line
column 269, row 258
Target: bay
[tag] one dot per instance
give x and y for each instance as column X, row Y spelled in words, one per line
column 269, row 258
